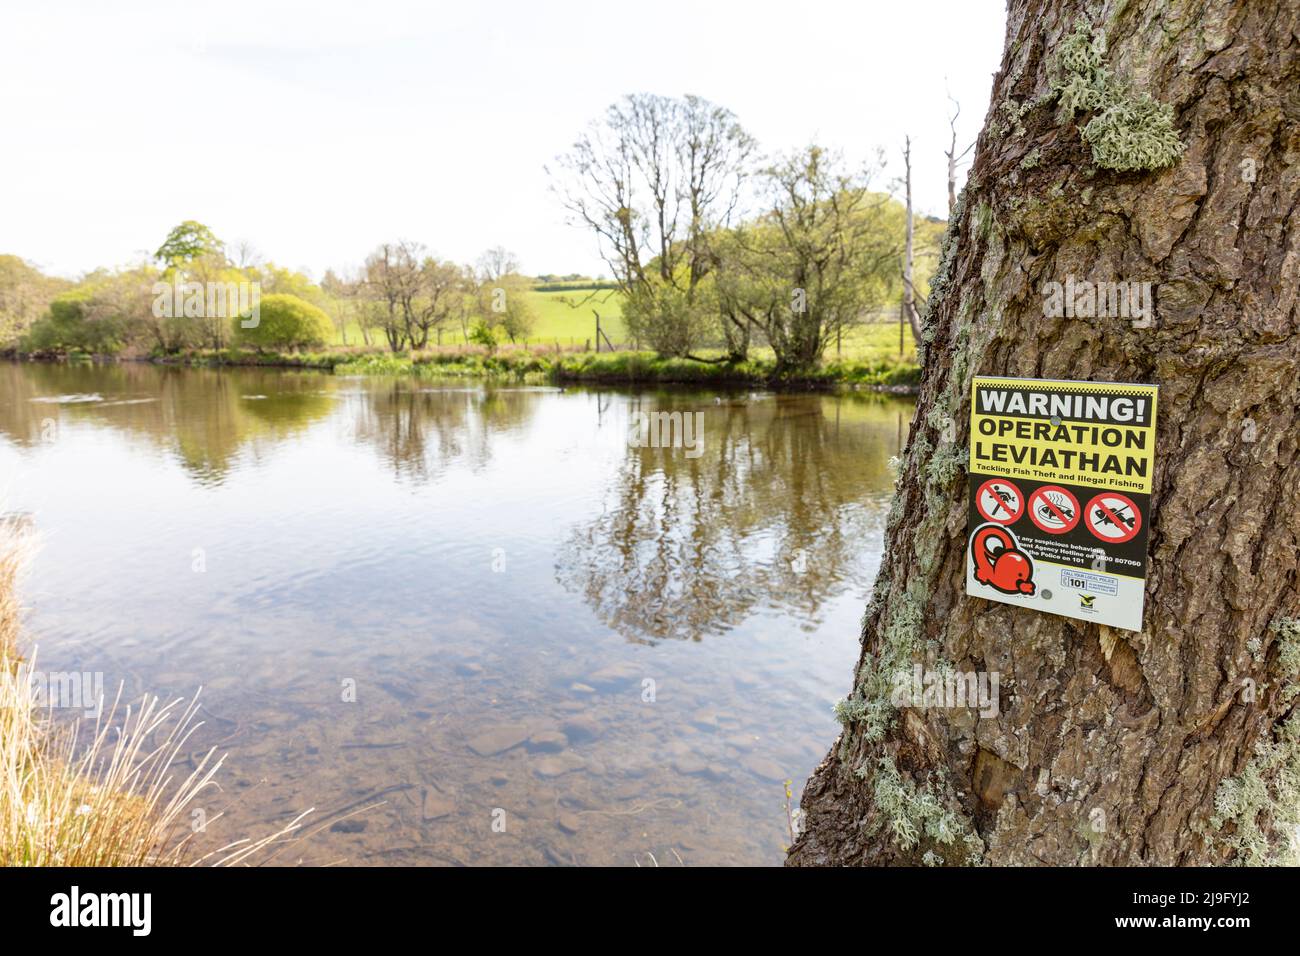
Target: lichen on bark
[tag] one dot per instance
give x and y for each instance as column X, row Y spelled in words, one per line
column 1108, row 747
column 1130, row 131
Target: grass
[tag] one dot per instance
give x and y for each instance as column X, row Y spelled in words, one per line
column 626, row 368
column 564, row 317
column 114, row 799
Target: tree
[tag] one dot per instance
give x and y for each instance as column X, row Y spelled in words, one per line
column 652, row 181
column 25, row 295
column 189, row 241
column 103, row 313
column 441, row 289
column 411, row 293
column 810, row 268
column 954, row 157
column 392, row 279
column 503, row 294
column 191, row 253
column 1142, row 141
column 909, row 290
column 284, row 322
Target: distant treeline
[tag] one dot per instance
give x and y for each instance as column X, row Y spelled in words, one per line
column 548, row 284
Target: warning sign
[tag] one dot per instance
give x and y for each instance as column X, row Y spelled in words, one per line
column 1114, row 517
column 999, row 501
column 1054, row 509
column 1038, row 450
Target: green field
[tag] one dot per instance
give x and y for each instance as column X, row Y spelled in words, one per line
column 567, row 318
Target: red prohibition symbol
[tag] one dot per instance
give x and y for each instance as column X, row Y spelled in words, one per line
column 999, row 500
column 1113, row 517
column 1054, row 509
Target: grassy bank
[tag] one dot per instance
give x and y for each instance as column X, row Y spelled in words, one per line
column 866, row 366
column 111, row 796
column 630, row 368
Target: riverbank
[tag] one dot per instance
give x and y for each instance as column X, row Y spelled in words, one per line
column 114, row 799
column 560, row 367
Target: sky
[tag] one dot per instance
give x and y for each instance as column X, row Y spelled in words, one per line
column 315, row 131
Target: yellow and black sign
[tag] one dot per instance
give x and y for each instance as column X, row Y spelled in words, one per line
column 1060, row 489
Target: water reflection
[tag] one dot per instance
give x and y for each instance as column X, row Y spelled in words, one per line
column 773, row 514
column 205, row 417
column 419, row 430
column 496, row 569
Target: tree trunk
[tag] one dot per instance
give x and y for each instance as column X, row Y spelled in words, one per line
column 909, row 291
column 1172, row 745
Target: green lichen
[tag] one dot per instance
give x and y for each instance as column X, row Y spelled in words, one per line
column 1128, row 131
column 1031, row 159
column 1262, row 803
column 871, row 705
column 946, row 465
column 1287, row 632
column 942, row 277
column 915, row 814
column 1013, row 115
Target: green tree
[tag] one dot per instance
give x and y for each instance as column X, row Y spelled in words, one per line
column 71, row 326
column 25, row 295
column 503, row 295
column 189, row 241
column 815, row 264
column 285, row 322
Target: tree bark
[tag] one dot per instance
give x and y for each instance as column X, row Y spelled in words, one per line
column 1110, row 747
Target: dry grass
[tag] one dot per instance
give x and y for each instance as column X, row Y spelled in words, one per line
column 112, row 796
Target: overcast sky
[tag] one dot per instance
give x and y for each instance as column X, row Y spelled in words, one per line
column 317, row 130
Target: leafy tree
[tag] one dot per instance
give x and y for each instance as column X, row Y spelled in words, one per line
column 285, row 322
column 25, row 295
column 815, row 263
column 482, row 334
column 73, row 325
column 189, row 241
column 503, row 294
column 412, row 294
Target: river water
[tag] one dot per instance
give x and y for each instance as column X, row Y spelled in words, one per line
column 481, row 615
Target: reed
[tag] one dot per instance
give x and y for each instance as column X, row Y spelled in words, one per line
column 114, row 795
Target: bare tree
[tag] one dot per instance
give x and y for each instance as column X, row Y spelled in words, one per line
column 392, row 276
column 496, row 263
column 954, row 157
column 909, row 290
column 652, row 180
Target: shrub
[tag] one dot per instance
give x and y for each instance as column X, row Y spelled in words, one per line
column 482, row 334
column 70, row 327
column 285, row 322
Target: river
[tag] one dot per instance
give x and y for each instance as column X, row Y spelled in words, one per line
column 482, row 615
